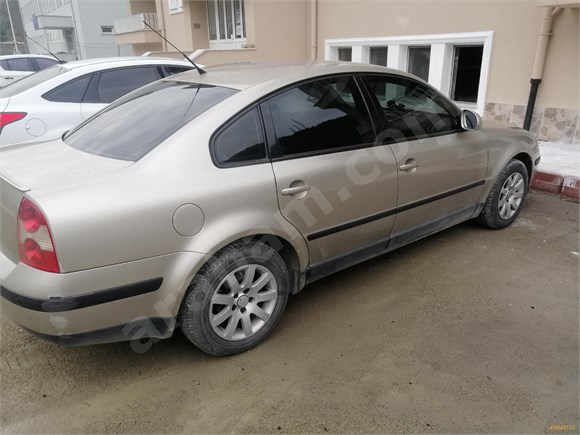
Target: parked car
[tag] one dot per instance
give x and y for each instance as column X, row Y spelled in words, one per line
column 13, row 67
column 48, row 103
column 204, row 201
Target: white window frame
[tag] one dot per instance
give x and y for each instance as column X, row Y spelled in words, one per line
column 228, row 43
column 175, row 7
column 441, row 63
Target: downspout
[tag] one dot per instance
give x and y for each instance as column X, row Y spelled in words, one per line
column 162, row 27
column 314, row 29
column 541, row 49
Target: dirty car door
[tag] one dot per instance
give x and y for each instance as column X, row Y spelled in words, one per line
column 333, row 186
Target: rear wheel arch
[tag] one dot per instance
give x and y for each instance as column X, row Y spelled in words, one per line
column 281, row 245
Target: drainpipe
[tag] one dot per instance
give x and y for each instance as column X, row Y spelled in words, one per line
column 162, row 26
column 314, row 29
column 541, row 49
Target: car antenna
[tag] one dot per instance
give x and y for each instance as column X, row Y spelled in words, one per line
column 46, row 49
column 199, row 70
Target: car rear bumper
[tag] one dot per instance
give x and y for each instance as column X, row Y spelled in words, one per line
column 100, row 305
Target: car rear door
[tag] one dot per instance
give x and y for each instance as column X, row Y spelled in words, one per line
column 441, row 167
column 337, row 189
column 15, row 69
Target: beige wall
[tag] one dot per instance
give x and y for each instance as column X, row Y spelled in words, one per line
column 142, row 6
column 515, row 24
column 275, row 30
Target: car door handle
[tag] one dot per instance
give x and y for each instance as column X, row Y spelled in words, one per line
column 9, row 78
column 295, row 190
column 409, row 165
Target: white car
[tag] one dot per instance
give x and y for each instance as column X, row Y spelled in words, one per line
column 16, row 66
column 46, row 104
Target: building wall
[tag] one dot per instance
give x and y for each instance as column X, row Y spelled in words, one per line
column 267, row 37
column 515, row 26
column 7, row 45
column 89, row 16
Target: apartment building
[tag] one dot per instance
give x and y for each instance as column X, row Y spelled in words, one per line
column 74, row 29
column 12, row 39
column 480, row 53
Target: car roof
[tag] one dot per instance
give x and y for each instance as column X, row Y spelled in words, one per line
column 245, row 75
column 126, row 60
column 18, row 56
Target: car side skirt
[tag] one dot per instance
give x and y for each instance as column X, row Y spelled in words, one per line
column 388, row 244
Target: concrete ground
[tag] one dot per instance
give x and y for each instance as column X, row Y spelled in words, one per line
column 470, row 330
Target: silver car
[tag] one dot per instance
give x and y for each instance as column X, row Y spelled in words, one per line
column 205, row 200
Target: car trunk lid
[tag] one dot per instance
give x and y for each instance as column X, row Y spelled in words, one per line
column 26, row 169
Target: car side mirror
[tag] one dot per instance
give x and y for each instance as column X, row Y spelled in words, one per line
column 470, row 120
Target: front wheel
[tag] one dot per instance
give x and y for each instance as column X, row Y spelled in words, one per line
column 236, row 300
column 506, row 198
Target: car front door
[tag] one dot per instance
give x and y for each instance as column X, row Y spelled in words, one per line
column 441, row 167
column 333, row 185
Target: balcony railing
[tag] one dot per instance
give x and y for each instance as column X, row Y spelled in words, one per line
column 134, row 23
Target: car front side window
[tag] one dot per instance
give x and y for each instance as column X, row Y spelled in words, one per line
column 410, row 110
column 320, row 116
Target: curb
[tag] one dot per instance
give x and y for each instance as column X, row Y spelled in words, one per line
column 567, row 187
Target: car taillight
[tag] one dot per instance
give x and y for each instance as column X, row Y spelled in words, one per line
column 34, row 239
column 10, row 117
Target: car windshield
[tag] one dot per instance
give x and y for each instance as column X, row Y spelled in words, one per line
column 135, row 124
column 31, row 81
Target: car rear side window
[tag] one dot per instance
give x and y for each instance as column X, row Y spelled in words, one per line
column 18, row 64
column 71, row 92
column 45, row 63
column 134, row 125
column 114, row 84
column 241, row 142
column 314, row 117
column 169, row 70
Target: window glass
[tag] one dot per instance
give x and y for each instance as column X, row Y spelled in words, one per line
column 242, row 141
column 211, row 19
column 45, row 63
column 170, row 70
column 408, row 109
column 419, row 59
column 71, row 92
column 378, row 55
column 134, row 125
column 345, row 54
column 466, row 72
column 114, row 84
column 321, row 115
column 31, row 81
column 19, row 64
column 226, row 20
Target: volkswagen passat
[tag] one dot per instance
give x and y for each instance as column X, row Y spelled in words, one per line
column 48, row 103
column 205, row 201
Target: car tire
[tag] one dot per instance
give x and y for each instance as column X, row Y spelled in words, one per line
column 236, row 300
column 507, row 196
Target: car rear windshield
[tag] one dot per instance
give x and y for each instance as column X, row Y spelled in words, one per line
column 135, row 124
column 31, row 81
